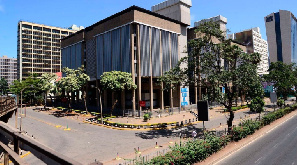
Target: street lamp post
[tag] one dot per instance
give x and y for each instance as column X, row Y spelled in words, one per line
column 21, row 111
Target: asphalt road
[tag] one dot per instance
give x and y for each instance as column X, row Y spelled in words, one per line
column 86, row 142
column 278, row 146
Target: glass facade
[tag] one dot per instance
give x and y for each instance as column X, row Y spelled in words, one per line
column 294, row 40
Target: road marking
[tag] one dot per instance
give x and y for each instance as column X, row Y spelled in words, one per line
column 51, row 124
column 258, row 160
column 275, row 145
column 245, row 145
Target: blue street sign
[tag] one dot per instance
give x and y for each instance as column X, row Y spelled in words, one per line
column 184, row 103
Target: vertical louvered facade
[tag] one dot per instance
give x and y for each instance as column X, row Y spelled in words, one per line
column 136, row 41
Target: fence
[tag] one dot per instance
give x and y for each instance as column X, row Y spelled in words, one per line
column 7, row 104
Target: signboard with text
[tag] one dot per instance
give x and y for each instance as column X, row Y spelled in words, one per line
column 184, row 95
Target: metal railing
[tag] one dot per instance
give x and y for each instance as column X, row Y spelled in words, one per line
column 7, row 104
column 39, row 150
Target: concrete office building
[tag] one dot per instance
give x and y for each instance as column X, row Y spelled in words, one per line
column 222, row 21
column 137, row 41
column 39, row 48
column 8, row 69
column 281, row 29
column 255, row 44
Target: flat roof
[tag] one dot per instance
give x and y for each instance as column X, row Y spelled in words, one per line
column 125, row 11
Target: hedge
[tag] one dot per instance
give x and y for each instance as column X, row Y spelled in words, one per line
column 198, row 150
column 248, row 127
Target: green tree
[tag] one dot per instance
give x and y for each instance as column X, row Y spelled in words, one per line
column 73, row 81
column 32, row 91
column 30, row 88
column 249, row 83
column 116, row 81
column 3, row 86
column 171, row 79
column 257, row 105
column 214, row 62
column 284, row 77
column 47, row 83
column 16, row 88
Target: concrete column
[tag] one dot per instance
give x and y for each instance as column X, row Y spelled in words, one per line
column 151, row 77
column 139, row 79
column 132, row 67
column 151, row 93
column 6, row 158
column 161, row 97
column 161, row 92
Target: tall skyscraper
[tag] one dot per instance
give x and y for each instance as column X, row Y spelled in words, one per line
column 281, row 28
column 251, row 38
column 39, row 48
column 8, row 69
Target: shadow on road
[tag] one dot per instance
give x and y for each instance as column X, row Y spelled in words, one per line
column 175, row 132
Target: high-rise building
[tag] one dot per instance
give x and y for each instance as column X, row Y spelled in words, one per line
column 8, row 69
column 281, row 28
column 254, row 44
column 39, row 48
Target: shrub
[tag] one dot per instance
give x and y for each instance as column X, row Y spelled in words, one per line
column 280, row 102
column 257, row 105
column 146, row 117
column 270, row 117
column 198, row 150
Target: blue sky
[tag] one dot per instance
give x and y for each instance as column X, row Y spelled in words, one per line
column 240, row 14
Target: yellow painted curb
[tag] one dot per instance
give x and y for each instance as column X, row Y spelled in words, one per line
column 67, row 129
column 25, row 154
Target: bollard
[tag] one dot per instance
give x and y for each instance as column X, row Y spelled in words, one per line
column 117, row 158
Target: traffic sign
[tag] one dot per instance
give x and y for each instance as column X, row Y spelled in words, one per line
column 142, row 103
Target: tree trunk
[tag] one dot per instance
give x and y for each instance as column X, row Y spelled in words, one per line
column 69, row 100
column 100, row 100
column 84, row 99
column 113, row 107
column 230, row 119
column 51, row 99
column 45, row 100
